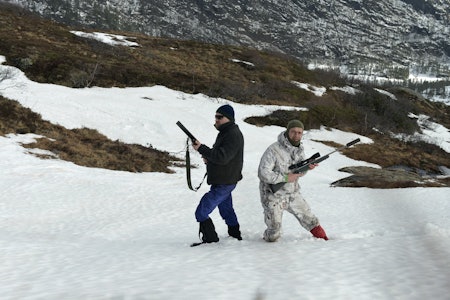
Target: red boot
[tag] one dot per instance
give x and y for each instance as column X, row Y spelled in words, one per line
column 319, row 233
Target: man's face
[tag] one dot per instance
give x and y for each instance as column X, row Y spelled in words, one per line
column 220, row 119
column 295, row 134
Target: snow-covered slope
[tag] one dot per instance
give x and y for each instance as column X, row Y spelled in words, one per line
column 70, row 232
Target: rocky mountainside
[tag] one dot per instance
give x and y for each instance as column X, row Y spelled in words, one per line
column 383, row 37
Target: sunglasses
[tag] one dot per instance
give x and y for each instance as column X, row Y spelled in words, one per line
column 219, row 117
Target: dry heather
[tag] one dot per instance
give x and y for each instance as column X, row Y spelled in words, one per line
column 85, row 147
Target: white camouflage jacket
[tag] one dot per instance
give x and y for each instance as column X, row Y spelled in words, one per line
column 274, row 166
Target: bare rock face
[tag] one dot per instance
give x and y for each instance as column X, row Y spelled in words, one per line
column 387, row 178
column 353, row 33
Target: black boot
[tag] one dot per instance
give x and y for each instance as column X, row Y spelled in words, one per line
column 235, row 232
column 208, row 231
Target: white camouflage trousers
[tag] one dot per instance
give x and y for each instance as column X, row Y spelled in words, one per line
column 275, row 205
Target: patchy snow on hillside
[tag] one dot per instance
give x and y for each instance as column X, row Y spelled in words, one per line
column 107, row 38
column 318, row 91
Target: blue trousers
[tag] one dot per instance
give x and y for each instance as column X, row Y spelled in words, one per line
column 218, row 196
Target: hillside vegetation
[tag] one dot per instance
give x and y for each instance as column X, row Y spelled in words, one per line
column 48, row 52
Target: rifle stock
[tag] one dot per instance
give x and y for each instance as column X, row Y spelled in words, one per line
column 303, row 166
column 275, row 187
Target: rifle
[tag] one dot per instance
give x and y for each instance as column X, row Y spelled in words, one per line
column 303, row 166
column 188, row 158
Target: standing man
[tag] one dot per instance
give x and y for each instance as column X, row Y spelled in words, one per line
column 224, row 167
column 274, row 168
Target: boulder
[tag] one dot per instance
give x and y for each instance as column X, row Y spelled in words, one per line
column 387, row 178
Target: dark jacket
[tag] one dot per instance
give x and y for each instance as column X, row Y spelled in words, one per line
column 226, row 157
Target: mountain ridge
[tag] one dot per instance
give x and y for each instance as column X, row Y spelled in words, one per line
column 362, row 36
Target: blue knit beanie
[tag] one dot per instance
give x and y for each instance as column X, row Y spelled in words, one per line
column 227, row 111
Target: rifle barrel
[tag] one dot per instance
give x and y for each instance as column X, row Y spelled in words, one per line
column 188, row 133
column 353, row 142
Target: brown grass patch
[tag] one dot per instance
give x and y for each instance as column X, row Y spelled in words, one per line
column 84, row 147
column 388, row 152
